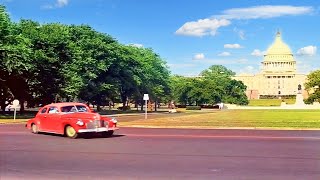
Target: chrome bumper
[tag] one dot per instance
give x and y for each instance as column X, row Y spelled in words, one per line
column 101, row 129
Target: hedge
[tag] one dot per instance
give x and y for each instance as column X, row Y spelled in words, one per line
column 193, row 108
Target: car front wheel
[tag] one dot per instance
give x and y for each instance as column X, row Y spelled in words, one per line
column 71, row 132
column 34, row 129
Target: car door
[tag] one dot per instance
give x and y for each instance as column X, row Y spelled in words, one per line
column 42, row 116
column 53, row 119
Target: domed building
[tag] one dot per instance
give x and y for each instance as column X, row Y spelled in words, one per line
column 278, row 76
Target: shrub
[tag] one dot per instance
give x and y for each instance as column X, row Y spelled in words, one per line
column 193, row 108
column 215, row 106
column 181, row 106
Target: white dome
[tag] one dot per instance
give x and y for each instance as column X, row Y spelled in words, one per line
column 279, row 47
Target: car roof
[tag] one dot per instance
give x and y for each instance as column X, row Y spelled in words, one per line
column 65, row 104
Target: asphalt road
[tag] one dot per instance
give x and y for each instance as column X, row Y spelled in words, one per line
column 136, row 153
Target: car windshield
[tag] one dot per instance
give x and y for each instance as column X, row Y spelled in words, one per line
column 77, row 108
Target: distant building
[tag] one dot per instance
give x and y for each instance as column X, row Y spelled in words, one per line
column 278, row 76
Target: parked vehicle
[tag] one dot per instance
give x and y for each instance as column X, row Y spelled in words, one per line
column 71, row 119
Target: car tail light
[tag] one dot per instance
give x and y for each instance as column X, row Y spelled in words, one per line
column 114, row 120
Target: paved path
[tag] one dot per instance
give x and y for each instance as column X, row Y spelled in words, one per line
column 162, row 154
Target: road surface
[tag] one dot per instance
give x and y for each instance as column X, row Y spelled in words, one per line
column 137, row 153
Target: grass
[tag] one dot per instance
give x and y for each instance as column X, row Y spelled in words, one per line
column 238, row 118
column 270, row 102
column 225, row 118
column 11, row 121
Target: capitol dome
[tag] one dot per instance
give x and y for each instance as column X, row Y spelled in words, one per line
column 279, row 47
column 278, row 51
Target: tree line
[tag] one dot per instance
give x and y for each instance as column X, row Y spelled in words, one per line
column 44, row 63
column 213, row 85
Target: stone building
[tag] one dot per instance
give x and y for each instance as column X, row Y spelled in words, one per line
column 278, row 76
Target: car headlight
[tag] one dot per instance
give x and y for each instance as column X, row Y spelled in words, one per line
column 80, row 122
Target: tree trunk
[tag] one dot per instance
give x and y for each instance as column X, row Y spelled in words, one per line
column 124, row 101
column 155, row 106
column 3, row 106
column 21, row 101
column 98, row 105
column 142, row 106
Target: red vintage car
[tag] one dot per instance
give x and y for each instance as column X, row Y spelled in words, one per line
column 71, row 119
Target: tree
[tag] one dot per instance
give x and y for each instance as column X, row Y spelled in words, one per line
column 313, row 84
column 50, row 53
column 86, row 74
column 220, row 87
column 154, row 76
column 15, row 62
column 180, row 87
column 41, row 62
column 213, row 86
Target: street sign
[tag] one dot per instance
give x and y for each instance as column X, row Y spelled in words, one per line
column 15, row 103
column 146, row 97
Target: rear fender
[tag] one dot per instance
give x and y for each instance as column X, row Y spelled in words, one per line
column 33, row 121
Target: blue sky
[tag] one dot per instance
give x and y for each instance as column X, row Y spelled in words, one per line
column 191, row 35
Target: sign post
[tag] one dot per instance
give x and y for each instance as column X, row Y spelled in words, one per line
column 146, row 98
column 15, row 104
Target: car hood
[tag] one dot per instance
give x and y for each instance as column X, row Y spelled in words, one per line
column 83, row 116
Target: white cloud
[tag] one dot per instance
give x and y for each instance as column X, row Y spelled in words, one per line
column 257, row 52
column 198, row 56
column 232, row 46
column 209, row 26
column 223, row 61
column 136, row 45
column 202, row 27
column 224, row 54
column 240, row 33
column 61, row 3
column 308, row 51
column 181, row 65
column 242, row 61
column 264, row 12
column 248, row 70
column 58, row 4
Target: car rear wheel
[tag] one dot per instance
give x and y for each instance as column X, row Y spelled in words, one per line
column 34, row 129
column 108, row 133
column 71, row 132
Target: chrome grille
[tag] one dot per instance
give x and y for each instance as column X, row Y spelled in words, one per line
column 95, row 124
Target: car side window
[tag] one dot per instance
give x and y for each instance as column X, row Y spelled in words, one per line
column 82, row 109
column 53, row 110
column 44, row 110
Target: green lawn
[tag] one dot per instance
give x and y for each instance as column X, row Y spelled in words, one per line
column 226, row 118
column 11, row 121
column 269, row 102
column 238, row 118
